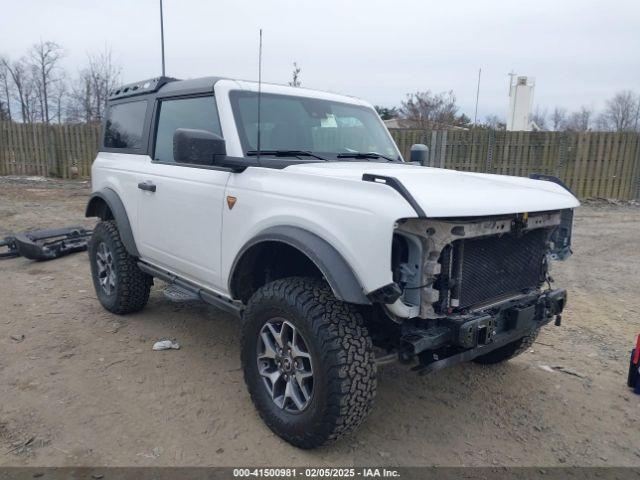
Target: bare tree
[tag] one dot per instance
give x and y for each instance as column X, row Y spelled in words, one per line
column 6, row 89
column 59, row 96
column 621, row 112
column 89, row 93
column 80, row 104
column 580, row 121
column 425, row 109
column 494, row 122
column 295, row 76
column 44, row 60
column 558, row 118
column 104, row 75
column 386, row 113
column 539, row 118
column 23, row 83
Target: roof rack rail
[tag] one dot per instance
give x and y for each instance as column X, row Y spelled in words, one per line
column 139, row 88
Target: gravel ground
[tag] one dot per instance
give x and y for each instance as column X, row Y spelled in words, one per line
column 84, row 387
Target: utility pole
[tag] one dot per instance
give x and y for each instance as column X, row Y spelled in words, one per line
column 162, row 37
column 475, row 116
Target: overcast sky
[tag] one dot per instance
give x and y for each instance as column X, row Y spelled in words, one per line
column 579, row 51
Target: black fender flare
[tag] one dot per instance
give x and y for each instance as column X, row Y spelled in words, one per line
column 336, row 270
column 551, row 178
column 113, row 201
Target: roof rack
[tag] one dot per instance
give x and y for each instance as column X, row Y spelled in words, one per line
column 139, row 88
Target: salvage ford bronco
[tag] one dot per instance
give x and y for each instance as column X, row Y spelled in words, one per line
column 294, row 210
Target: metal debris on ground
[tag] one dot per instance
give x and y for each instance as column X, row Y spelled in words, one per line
column 166, row 345
column 560, row 368
column 18, row 338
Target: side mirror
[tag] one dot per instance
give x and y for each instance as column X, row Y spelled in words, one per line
column 197, row 147
column 420, row 154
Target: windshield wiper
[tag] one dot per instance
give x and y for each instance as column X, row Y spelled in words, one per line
column 373, row 155
column 285, row 153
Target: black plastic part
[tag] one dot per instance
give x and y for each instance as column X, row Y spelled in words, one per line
column 139, row 88
column 109, row 198
column 417, row 340
column 561, row 236
column 197, row 147
column 555, row 301
column 46, row 244
column 335, row 269
column 469, row 337
column 398, row 187
column 515, row 317
column 550, row 178
column 147, row 186
column 11, row 247
column 419, row 154
column 208, row 296
column 387, row 294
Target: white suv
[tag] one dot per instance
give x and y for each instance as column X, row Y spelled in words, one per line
column 294, row 210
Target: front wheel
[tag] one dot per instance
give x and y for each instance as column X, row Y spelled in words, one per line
column 308, row 361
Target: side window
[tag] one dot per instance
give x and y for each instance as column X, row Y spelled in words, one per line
column 198, row 113
column 125, row 124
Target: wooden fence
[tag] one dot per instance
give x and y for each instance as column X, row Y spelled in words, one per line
column 38, row 149
column 592, row 164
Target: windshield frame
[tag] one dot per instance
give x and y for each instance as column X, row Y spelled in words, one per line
column 236, row 94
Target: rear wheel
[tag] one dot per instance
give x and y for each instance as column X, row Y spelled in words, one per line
column 120, row 285
column 510, row 350
column 308, row 361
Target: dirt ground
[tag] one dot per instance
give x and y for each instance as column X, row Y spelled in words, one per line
column 85, row 388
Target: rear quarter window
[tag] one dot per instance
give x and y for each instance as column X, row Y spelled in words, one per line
column 125, row 125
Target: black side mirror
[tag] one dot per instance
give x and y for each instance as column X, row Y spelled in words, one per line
column 420, row 154
column 197, row 147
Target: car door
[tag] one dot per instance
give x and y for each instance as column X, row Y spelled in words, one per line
column 180, row 205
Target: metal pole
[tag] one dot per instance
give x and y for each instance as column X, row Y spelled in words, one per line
column 475, row 116
column 162, row 37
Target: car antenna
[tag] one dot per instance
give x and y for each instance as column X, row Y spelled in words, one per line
column 259, row 95
column 162, row 37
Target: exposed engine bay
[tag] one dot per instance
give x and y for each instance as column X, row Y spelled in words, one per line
column 447, row 267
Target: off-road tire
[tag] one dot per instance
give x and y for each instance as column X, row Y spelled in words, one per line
column 510, row 350
column 341, row 350
column 132, row 286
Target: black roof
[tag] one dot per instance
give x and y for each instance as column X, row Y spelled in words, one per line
column 165, row 87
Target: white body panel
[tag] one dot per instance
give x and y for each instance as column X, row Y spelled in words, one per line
column 449, row 193
column 180, row 224
column 357, row 219
column 187, row 228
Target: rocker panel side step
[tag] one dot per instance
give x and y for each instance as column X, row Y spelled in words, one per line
column 208, row 296
column 178, row 294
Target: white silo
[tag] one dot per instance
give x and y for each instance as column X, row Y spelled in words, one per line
column 520, row 103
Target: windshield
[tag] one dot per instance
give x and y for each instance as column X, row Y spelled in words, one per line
column 326, row 128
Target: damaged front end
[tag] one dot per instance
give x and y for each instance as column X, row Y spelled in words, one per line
column 466, row 286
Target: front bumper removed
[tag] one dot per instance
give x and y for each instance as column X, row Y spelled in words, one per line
column 461, row 338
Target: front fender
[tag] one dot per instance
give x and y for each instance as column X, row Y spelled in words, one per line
column 330, row 262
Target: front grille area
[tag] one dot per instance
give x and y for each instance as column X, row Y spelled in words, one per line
column 485, row 268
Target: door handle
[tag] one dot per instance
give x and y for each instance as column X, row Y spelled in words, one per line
column 148, row 186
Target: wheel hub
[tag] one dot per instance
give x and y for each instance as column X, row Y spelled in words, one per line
column 106, row 270
column 284, row 362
